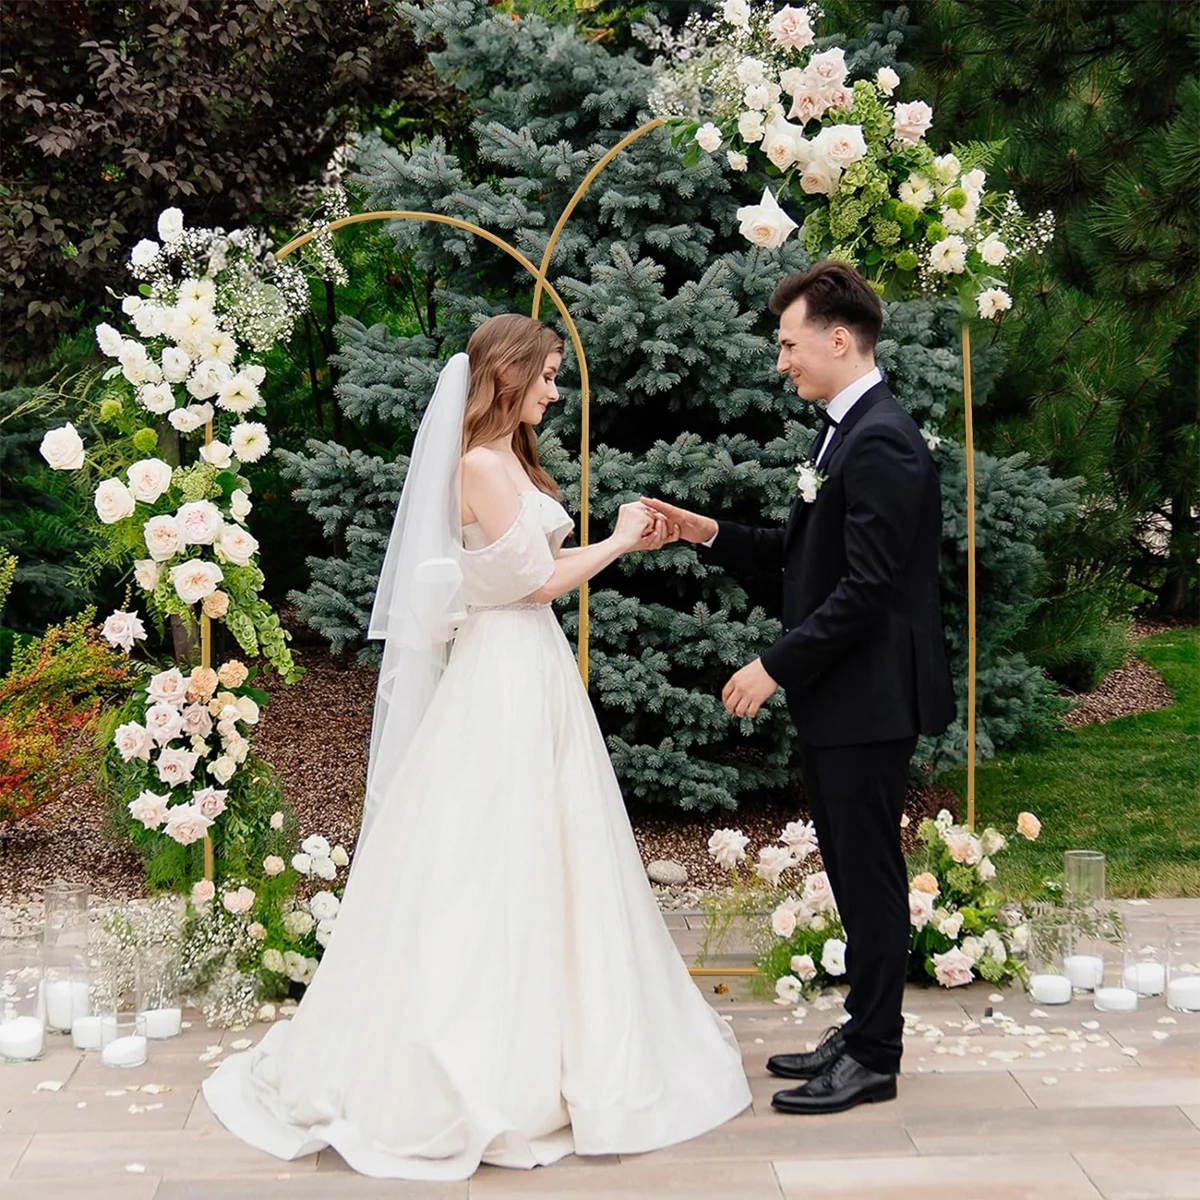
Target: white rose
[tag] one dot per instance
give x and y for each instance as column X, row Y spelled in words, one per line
column 819, row 177
column 780, row 147
column 239, row 504
column 324, row 932
column 195, row 579
column 737, row 162
column 800, row 837
column 920, row 909
column 790, row 29
column 829, row 67
column 217, row 454
column 949, row 925
column 250, row 441
column 237, row 545
column 272, row 960
column 196, row 721
column 239, row 394
column 113, row 501
column 156, row 397
column 987, row 870
column 175, row 766
column 803, row 967
column 164, row 722
column 191, row 418
column 737, row 13
column 256, row 373
column 324, row 906
column 247, row 711
column 946, row 167
column 728, row 847
column 109, row 340
column 757, row 97
column 133, row 741
column 772, row 862
column 787, row 990
column 912, row 122
column 323, row 868
column 150, row 809
column 144, row 253
column 338, row 856
column 148, row 479
column 915, row 191
column 207, row 377
column 199, row 522
column 765, row 224
column 840, row 145
column 135, row 363
column 170, row 224
column 818, row 892
column 783, row 921
column 974, row 180
column 162, row 537
column 167, row 687
column 992, row 302
column 237, row 747
column 222, row 769
column 708, row 137
column 123, row 629
column 316, row 846
column 992, row 250
column 886, row 80
column 298, row 922
column 833, row 957
column 750, row 127
column 751, row 72
column 302, row 863
column 176, row 364
column 949, row 256
column 62, row 448
column 959, row 220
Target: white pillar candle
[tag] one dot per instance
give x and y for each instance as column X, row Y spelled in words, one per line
column 90, row 1033
column 125, row 1052
column 160, row 1022
column 1049, row 989
column 1146, row 978
column 1085, row 971
column 21, row 1038
column 64, row 999
column 1183, row 994
column 1115, row 999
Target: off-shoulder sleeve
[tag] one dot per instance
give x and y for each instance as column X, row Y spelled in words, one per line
column 512, row 567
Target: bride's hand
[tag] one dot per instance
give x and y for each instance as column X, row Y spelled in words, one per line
column 635, row 524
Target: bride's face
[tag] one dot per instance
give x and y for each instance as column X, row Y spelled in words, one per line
column 542, row 393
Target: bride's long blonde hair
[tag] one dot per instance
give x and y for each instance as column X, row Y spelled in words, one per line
column 507, row 355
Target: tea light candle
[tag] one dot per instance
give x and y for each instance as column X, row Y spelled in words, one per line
column 1146, row 978
column 64, row 998
column 21, row 1038
column 1085, row 971
column 1050, row 989
column 125, row 1052
column 1183, row 994
column 160, row 1022
column 1115, row 999
column 89, row 1033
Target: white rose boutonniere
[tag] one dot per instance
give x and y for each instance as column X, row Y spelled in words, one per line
column 808, row 481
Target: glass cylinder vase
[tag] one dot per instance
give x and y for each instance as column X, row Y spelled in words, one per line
column 22, row 1014
column 1146, row 955
column 161, row 1012
column 122, row 1044
column 1111, row 993
column 65, row 987
column 65, row 916
column 1045, row 953
column 1084, row 882
column 1183, row 966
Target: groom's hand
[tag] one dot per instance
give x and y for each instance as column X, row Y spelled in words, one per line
column 690, row 526
column 748, row 690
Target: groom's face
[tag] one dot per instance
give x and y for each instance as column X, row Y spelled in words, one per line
column 808, row 351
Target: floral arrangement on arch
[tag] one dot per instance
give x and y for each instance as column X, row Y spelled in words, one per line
column 845, row 157
column 961, row 927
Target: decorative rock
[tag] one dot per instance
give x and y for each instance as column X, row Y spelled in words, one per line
column 667, row 872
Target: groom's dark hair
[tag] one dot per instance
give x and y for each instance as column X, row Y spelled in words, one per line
column 834, row 294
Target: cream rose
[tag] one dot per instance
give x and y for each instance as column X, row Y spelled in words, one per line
column 840, row 145
column 148, row 479
column 829, row 67
column 195, row 579
column 62, row 448
column 790, row 29
column 783, row 921
column 925, row 882
column 273, row 865
column 170, row 224
column 203, row 891
column 803, row 967
column 239, row 505
column 954, row 968
column 150, row 809
column 196, row 721
column 920, row 909
column 912, row 122
column 145, row 573
column 199, row 522
column 992, row 250
column 737, row 162
column 728, row 847
column 808, row 105
column 216, row 605
column 237, row 545
column 833, row 957
column 819, row 177
column 113, row 501
column 162, row 536
column 750, row 127
column 222, row 769
column 186, row 824
column 133, row 741
column 239, row 901
column 217, row 454
column 886, row 80
column 765, row 224
column 176, row 766
column 168, row 687
column 818, row 893
column 123, row 629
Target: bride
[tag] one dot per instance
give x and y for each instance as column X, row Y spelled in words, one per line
column 500, row 986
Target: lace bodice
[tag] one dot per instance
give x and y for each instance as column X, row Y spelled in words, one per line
column 513, row 567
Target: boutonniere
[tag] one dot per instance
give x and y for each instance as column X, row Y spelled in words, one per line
column 808, row 481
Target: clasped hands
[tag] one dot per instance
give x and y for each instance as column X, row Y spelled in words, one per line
column 654, row 524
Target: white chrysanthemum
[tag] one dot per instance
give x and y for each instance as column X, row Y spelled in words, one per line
column 109, row 340
column 949, row 256
column 708, row 138
column 915, row 191
column 992, row 302
column 157, row 397
column 198, row 291
column 191, row 320
column 250, row 441
column 239, row 394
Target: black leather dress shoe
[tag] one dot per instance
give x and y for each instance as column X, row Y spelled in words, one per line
column 844, row 1085
column 816, row 1062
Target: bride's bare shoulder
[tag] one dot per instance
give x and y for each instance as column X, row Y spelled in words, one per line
column 487, row 484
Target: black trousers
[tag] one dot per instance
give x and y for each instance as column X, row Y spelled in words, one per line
column 856, row 794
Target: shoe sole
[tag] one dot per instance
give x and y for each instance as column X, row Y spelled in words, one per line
column 879, row 1096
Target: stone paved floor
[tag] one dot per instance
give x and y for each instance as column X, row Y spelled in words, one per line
column 1061, row 1119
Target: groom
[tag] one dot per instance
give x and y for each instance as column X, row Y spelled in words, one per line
column 861, row 659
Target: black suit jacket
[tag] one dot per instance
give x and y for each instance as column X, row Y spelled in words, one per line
column 862, row 656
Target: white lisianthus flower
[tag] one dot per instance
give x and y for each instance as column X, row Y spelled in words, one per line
column 62, row 448
column 237, row 546
column 787, row 990
column 324, row 906
column 915, row 191
column 783, row 921
column 886, row 80
column 222, row 769
column 750, row 127
column 790, row 29
column 239, row 504
column 820, row 177
column 324, row 932
column 992, row 250
column 195, row 579
column 123, row 629
column 240, row 395
column 708, row 138
column 765, row 224
column 728, row 847
column 157, row 398
column 176, row 364
column 912, row 122
column 833, row 957
column 772, row 862
column 199, row 522
column 133, row 741
column 113, row 501
column 109, row 340
column 840, row 145
column 162, row 538
column 949, row 256
column 143, row 254
column 974, row 181
column 946, row 168
column 272, row 960
column 992, row 302
column 170, row 224
column 207, row 377
column 737, row 162
column 191, row 418
column 149, row 808
column 803, row 967
column 217, row 454
column 808, row 482
column 316, row 846
column 737, row 13
column 338, row 856
column 250, row 441
column 150, row 321
column 148, row 479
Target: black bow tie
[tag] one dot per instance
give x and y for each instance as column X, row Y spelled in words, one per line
column 825, row 419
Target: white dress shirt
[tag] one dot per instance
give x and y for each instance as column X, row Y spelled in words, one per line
column 837, row 408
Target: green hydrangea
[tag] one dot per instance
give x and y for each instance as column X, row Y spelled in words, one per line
column 906, row 260
column 145, row 441
column 887, row 233
column 110, row 409
column 934, row 233
column 846, row 214
column 196, row 482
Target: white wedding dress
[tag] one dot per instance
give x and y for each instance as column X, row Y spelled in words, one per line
column 500, row 986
